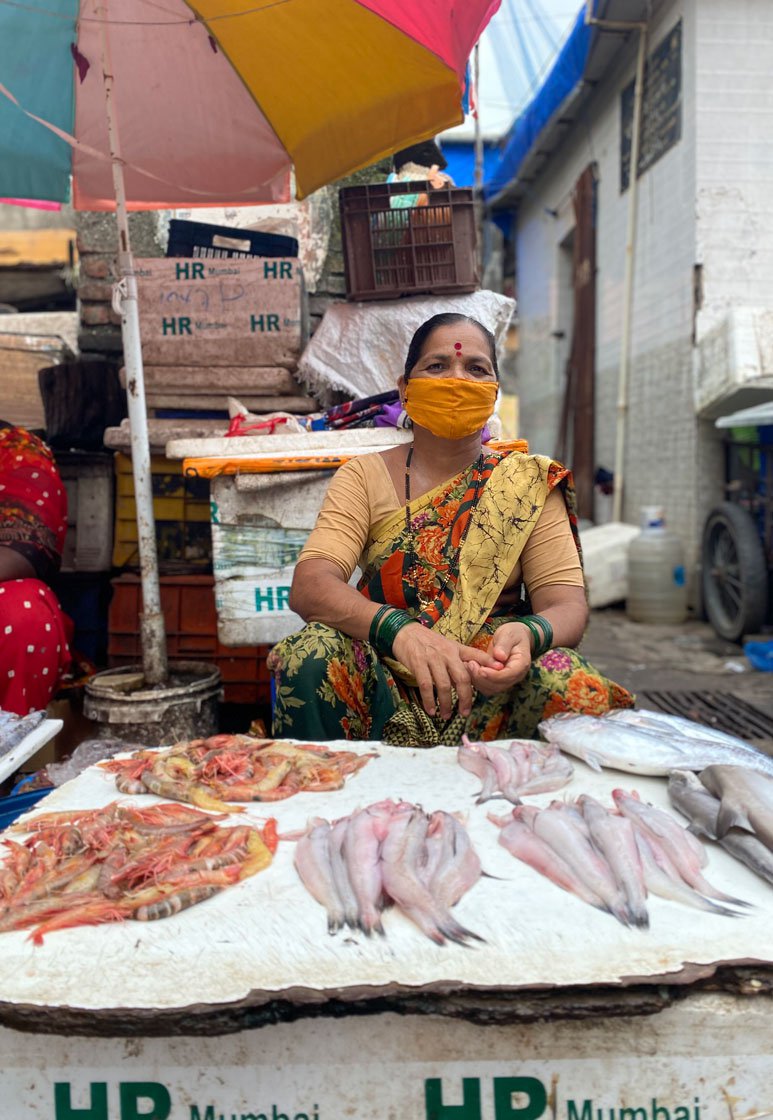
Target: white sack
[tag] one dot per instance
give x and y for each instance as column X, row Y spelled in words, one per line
column 360, row 348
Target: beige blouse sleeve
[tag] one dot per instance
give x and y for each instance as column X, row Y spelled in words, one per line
column 360, row 494
column 550, row 555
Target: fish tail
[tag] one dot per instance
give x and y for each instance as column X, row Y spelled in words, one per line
column 640, row 918
column 712, row 893
column 454, row 931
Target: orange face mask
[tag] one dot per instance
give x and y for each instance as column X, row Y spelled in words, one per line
column 450, row 407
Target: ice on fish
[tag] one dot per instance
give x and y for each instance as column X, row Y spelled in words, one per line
column 602, row 742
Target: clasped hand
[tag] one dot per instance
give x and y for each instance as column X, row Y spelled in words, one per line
column 440, row 665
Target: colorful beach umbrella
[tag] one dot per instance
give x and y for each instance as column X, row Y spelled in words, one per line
column 216, row 99
column 143, row 104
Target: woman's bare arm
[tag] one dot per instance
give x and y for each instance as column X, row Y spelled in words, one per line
column 320, row 593
column 13, row 565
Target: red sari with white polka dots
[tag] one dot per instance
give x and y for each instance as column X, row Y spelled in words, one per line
column 34, row 647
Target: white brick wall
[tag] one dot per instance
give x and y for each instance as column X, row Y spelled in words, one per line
column 662, row 460
column 734, row 190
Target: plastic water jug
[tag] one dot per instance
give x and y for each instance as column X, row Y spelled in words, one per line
column 657, row 588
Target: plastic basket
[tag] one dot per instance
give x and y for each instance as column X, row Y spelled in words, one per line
column 198, row 239
column 181, row 512
column 406, row 238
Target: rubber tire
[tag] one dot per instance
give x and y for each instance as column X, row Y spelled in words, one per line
column 752, row 566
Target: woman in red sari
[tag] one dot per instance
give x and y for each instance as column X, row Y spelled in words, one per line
column 34, row 633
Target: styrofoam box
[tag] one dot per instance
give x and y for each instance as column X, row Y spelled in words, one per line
column 605, row 559
column 257, row 535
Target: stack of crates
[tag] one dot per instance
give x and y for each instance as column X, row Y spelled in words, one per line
column 181, row 512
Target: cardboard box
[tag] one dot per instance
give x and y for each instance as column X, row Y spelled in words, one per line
column 220, row 311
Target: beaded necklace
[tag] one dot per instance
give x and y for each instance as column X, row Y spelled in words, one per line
column 411, row 536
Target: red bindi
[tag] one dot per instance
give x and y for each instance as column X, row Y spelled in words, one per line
column 457, row 346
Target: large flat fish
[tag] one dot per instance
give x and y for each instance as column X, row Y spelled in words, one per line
column 746, row 800
column 615, row 745
column 689, row 795
column 660, row 721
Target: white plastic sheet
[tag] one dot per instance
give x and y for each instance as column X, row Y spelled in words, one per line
column 360, row 348
column 267, row 937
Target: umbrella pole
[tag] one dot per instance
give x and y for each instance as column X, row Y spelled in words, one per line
column 152, row 630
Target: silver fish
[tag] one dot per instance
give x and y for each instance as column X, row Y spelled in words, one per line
column 459, row 866
column 402, row 854
column 568, row 841
column 747, row 800
column 360, row 849
column 601, row 742
column 340, row 872
column 657, row 721
column 524, row 767
column 684, row 851
column 14, row 730
column 663, row 879
column 521, row 841
column 701, row 808
column 614, row 838
column 312, row 862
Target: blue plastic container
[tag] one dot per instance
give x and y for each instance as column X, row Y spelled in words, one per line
column 15, row 804
column 760, row 654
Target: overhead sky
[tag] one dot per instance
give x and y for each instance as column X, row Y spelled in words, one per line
column 516, row 51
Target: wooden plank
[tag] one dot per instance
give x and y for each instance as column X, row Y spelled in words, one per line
column 213, row 401
column 220, row 312
column 47, row 247
column 256, row 380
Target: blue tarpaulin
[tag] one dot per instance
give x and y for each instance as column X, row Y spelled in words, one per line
column 460, row 155
column 567, row 72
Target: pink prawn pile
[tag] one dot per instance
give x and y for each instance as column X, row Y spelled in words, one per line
column 612, row 858
column 390, row 852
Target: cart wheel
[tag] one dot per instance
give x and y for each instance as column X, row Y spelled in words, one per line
column 735, row 575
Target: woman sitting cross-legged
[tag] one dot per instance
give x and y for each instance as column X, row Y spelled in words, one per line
column 472, row 597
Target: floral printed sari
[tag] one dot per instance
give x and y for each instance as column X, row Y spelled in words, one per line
column 447, row 568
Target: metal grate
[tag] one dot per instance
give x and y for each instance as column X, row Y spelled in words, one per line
column 721, row 710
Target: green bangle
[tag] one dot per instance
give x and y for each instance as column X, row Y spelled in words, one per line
column 389, row 629
column 542, row 632
column 375, row 621
column 535, row 633
column 548, row 633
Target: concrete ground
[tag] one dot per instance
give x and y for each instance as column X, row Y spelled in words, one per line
column 688, row 657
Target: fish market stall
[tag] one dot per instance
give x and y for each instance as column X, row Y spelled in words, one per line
column 259, row 954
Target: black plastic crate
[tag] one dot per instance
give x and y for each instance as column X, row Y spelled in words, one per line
column 197, row 239
column 405, row 238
